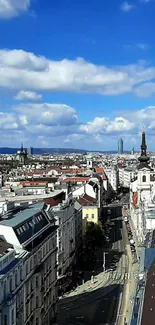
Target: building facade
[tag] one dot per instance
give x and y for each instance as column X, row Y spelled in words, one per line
column 33, row 231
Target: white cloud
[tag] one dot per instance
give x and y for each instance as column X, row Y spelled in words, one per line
column 126, row 6
column 23, row 70
column 58, row 125
column 145, row 90
column 13, row 8
column 28, row 95
column 142, row 46
column 105, row 125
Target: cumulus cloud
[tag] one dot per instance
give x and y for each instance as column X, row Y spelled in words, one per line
column 13, row 8
column 28, row 95
column 126, row 6
column 23, row 70
column 58, row 125
column 105, row 125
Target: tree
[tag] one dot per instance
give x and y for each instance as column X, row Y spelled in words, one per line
column 94, row 235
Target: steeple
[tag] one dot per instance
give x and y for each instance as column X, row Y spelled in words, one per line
column 143, row 159
column 21, row 147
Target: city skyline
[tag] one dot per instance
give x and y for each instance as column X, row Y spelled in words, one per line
column 72, row 77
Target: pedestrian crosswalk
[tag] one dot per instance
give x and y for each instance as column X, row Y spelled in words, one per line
column 121, row 276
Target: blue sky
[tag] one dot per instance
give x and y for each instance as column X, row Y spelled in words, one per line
column 77, row 73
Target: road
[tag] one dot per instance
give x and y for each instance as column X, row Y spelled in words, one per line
column 100, row 305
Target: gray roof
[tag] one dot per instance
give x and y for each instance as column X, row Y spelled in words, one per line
column 20, row 217
column 77, row 205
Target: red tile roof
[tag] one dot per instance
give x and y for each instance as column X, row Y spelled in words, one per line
column 99, row 170
column 87, row 200
column 26, row 183
column 135, row 199
column 76, row 179
column 104, row 177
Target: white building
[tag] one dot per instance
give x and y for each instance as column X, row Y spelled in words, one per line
column 112, row 175
column 32, row 230
column 142, row 196
column 126, row 175
column 11, row 284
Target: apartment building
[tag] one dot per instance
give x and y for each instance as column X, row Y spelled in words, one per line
column 34, row 290
column 112, row 175
column 11, row 284
column 64, row 214
column 126, row 174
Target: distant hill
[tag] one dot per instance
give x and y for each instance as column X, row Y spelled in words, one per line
column 41, row 151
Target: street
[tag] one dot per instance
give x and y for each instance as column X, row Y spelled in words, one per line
column 99, row 305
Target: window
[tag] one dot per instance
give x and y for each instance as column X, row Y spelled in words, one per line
column 24, row 228
column 35, row 260
column 144, row 179
column 12, row 316
column 37, row 321
column 31, row 264
column 37, row 283
column 39, row 255
column 11, row 287
column 87, row 215
column 27, row 268
column 21, row 274
column 16, row 279
column 37, row 302
column 31, row 285
column 5, row 289
column 92, row 216
column 5, row 320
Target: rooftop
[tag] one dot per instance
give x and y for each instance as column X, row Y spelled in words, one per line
column 18, row 218
column 36, row 197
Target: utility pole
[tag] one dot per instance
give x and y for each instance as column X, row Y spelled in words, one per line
column 103, row 261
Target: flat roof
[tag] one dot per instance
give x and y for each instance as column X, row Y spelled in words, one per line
column 20, row 217
column 27, row 198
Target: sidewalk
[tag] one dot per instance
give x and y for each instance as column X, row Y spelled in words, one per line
column 100, row 279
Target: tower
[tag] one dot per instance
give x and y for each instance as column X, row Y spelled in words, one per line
column 22, row 155
column 89, row 161
column 120, row 146
column 143, row 189
column 144, row 170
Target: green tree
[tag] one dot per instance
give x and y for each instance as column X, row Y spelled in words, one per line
column 94, row 235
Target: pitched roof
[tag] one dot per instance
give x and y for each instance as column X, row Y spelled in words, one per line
column 87, row 200
column 99, row 170
column 76, row 179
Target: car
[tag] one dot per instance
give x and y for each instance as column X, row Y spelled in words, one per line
column 112, row 264
column 115, row 260
column 112, row 268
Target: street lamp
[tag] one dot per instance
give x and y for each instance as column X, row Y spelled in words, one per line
column 104, row 253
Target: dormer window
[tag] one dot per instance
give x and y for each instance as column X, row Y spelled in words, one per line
column 144, row 179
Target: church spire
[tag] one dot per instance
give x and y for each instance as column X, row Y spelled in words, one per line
column 144, row 159
column 21, row 147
